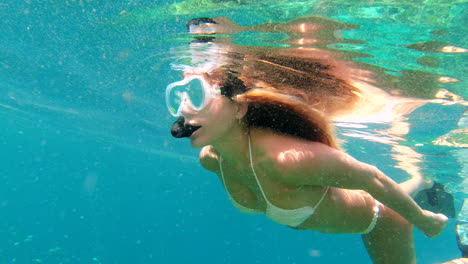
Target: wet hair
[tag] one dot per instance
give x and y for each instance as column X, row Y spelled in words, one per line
column 288, row 92
column 232, row 86
column 314, row 80
column 284, row 113
column 291, row 93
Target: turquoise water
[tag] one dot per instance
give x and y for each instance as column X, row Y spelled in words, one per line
column 91, row 175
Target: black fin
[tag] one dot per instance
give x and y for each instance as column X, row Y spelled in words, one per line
column 437, row 200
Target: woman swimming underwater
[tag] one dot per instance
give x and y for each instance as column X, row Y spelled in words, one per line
column 263, row 130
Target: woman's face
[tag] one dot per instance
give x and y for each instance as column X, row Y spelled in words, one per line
column 216, row 120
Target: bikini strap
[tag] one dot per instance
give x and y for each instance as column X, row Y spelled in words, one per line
column 260, row 186
column 253, row 171
column 221, row 168
column 323, row 197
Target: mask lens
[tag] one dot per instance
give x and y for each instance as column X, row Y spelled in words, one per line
column 196, row 93
column 185, row 94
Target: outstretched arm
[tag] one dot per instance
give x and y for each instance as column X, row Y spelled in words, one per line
column 318, row 164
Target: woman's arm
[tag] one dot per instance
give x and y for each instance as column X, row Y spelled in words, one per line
column 318, row 164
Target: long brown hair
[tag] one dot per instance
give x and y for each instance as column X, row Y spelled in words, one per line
column 318, row 81
column 286, row 114
column 288, row 92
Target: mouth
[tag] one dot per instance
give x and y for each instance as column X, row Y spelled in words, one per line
column 194, row 130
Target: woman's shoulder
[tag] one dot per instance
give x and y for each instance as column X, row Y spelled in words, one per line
column 300, row 162
column 209, row 159
column 282, row 147
column 287, row 151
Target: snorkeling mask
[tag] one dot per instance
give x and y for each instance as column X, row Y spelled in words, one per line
column 193, row 92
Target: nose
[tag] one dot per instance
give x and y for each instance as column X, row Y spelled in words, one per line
column 186, row 109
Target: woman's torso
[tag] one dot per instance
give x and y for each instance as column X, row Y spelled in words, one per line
column 339, row 210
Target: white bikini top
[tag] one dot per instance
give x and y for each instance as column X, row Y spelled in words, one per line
column 289, row 217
